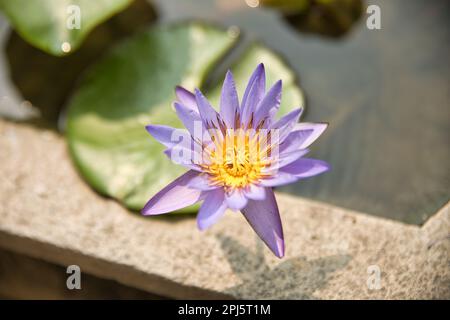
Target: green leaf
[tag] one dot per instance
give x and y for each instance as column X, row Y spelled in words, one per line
column 44, row 23
column 134, row 86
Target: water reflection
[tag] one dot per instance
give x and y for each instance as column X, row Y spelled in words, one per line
column 333, row 18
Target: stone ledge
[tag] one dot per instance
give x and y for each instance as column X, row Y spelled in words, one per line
column 48, row 212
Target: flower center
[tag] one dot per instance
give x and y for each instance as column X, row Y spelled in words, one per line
column 236, row 160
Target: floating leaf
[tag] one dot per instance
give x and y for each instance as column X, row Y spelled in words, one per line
column 133, row 86
column 48, row 24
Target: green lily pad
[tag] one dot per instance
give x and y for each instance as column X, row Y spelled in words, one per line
column 44, row 23
column 134, row 86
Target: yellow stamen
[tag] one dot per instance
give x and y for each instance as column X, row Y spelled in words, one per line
column 236, row 160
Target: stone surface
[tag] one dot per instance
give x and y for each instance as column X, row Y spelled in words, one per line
column 48, row 212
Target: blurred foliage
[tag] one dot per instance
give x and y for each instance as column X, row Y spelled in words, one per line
column 332, row 18
column 133, row 86
column 44, row 23
column 46, row 81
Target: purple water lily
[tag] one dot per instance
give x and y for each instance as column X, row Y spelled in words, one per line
column 236, row 156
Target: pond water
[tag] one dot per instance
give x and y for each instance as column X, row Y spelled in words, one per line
column 384, row 92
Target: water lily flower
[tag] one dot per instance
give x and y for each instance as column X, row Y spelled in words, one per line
column 236, row 156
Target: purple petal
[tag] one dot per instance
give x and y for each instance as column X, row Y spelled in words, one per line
column 212, row 209
column 190, row 119
column 305, row 168
column 279, row 179
column 313, row 131
column 186, row 98
column 174, row 196
column 168, row 136
column 201, row 182
column 184, row 157
column 295, row 140
column 286, row 158
column 285, row 125
column 290, row 118
column 264, row 218
column 229, row 102
column 236, row 199
column 255, row 192
column 253, row 93
column 270, row 101
column 209, row 116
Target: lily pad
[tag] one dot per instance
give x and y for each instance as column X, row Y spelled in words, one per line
column 134, row 86
column 44, row 23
